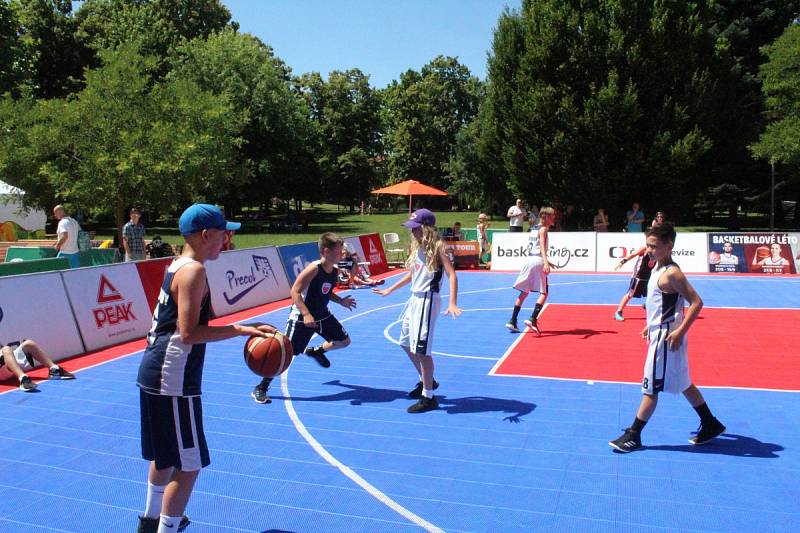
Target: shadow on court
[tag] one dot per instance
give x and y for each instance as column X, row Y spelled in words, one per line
column 577, row 332
column 277, row 531
column 359, row 394
column 728, row 444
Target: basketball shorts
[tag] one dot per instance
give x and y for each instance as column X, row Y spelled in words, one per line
column 328, row 328
column 637, row 287
column 665, row 370
column 532, row 277
column 24, row 361
column 172, row 431
column 418, row 321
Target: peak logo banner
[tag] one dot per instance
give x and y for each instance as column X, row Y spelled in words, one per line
column 372, row 251
column 241, row 279
column 110, row 304
column 572, row 251
column 36, row 307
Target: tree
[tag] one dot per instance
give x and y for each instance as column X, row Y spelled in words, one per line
column 125, row 140
column 275, row 155
column 427, row 110
column 347, row 115
column 12, row 52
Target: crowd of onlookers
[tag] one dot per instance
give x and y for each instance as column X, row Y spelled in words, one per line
column 568, row 218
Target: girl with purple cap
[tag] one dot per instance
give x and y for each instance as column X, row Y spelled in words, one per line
column 426, row 263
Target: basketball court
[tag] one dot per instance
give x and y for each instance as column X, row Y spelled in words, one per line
column 519, row 442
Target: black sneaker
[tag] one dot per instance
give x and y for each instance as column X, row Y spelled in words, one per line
column 708, row 432
column 512, row 326
column 318, row 354
column 260, row 395
column 627, row 442
column 184, row 523
column 26, row 384
column 60, row 373
column 416, row 392
column 150, row 525
column 424, row 405
column 531, row 323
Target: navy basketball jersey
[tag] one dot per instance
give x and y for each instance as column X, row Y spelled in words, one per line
column 170, row 367
column 662, row 307
column 644, row 267
column 317, row 294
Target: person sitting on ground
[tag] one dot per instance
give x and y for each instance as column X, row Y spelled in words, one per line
column 361, row 274
column 352, row 272
column 17, row 357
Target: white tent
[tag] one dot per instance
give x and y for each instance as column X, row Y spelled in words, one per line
column 15, row 221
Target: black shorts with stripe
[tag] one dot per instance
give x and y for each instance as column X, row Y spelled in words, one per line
column 172, row 431
column 328, row 328
column 638, row 288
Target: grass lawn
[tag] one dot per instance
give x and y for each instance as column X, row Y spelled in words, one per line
column 324, row 218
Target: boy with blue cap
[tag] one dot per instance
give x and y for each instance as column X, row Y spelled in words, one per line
column 171, row 371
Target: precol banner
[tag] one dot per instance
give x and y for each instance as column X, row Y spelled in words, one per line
column 689, row 251
column 756, row 252
column 241, row 279
column 36, row 307
column 373, row 252
column 109, row 303
column 573, row 251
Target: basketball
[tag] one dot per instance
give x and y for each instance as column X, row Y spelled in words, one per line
column 268, row 356
column 762, row 252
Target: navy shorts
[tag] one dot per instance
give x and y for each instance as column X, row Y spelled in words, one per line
column 172, row 431
column 328, row 328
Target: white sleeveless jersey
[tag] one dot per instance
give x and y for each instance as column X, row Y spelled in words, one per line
column 662, row 308
column 421, row 279
column 534, row 246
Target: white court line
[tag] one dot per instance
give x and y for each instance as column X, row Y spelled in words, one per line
column 514, row 344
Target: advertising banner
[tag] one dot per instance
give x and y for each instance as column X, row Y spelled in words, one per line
column 295, row 257
column 794, row 238
column 36, row 307
column 151, row 273
column 241, row 279
column 690, row 251
column 463, row 254
column 373, row 252
column 755, row 252
column 611, row 247
column 573, row 251
column 109, row 303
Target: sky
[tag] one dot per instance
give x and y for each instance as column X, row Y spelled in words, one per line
column 383, row 38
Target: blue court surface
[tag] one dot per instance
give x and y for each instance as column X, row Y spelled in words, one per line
column 336, row 450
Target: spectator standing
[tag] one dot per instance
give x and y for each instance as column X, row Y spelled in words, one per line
column 601, row 220
column 516, row 214
column 533, row 216
column 658, row 220
column 570, row 220
column 133, row 237
column 67, row 243
column 635, row 218
column 483, row 239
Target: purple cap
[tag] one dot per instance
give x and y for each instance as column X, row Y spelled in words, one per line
column 420, row 217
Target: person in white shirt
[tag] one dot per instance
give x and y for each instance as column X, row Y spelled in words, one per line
column 516, row 215
column 67, row 244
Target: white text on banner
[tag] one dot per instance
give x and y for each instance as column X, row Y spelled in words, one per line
column 241, row 279
column 109, row 303
column 36, row 307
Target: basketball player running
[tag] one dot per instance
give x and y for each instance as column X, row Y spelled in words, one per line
column 641, row 275
column 533, row 276
column 426, row 263
column 666, row 368
column 311, row 292
column 171, row 371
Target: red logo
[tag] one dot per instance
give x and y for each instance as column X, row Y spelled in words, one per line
column 326, row 288
column 106, row 292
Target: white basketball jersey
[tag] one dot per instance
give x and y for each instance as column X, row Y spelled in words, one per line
column 662, row 307
column 534, row 246
column 422, row 280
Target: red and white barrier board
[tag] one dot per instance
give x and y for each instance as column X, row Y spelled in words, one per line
column 241, row 279
column 573, row 251
column 109, row 304
column 151, row 272
column 35, row 307
column 373, row 252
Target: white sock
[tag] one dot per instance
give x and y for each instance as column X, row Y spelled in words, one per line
column 55, row 367
column 155, row 493
column 169, row 524
column 427, row 393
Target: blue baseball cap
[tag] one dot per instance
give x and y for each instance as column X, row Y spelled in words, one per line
column 420, row 217
column 198, row 217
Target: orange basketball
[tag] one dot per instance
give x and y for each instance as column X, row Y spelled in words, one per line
column 268, row 356
column 762, row 252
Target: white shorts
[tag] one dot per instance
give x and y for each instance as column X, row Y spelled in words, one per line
column 532, row 277
column 418, row 320
column 22, row 360
column 665, row 370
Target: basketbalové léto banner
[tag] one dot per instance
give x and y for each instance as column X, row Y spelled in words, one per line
column 753, row 252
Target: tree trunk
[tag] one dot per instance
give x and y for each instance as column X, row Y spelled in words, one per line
column 119, row 220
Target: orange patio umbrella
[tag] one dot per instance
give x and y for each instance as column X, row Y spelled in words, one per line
column 410, row 188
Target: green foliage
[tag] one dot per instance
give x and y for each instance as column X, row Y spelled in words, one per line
column 781, row 77
column 12, row 51
column 427, row 111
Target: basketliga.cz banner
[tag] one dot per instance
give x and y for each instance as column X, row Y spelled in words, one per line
column 756, row 252
column 568, row 251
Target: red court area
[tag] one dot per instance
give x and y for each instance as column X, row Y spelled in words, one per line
column 748, row 348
